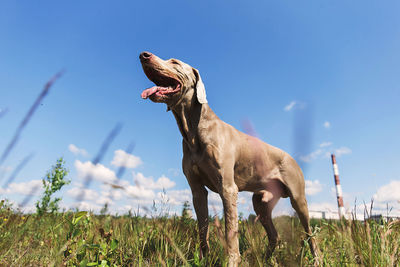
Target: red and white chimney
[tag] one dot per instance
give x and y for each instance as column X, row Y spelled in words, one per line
column 339, row 193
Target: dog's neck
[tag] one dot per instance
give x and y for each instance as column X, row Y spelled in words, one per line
column 192, row 119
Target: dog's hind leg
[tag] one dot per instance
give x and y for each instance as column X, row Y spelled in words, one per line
column 299, row 203
column 263, row 203
column 294, row 182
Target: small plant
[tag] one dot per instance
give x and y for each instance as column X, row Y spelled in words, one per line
column 104, row 209
column 53, row 182
column 186, row 211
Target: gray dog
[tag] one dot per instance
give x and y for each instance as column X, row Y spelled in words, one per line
column 217, row 156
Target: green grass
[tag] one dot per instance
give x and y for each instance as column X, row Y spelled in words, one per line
column 84, row 239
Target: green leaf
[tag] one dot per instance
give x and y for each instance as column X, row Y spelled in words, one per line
column 114, row 244
column 78, row 217
column 76, row 232
column 93, row 246
column 83, row 263
column 103, row 247
column 81, row 214
column 92, row 264
column 53, row 182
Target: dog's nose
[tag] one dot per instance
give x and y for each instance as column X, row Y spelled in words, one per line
column 145, row 55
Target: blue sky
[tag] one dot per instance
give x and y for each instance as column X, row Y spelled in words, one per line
column 320, row 71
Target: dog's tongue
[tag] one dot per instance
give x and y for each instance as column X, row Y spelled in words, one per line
column 148, row 92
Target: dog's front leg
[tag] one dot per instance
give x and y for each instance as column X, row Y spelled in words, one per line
column 229, row 194
column 201, row 208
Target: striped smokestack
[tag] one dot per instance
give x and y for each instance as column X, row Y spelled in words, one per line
column 339, row 194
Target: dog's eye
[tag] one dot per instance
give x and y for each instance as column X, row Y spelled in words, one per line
column 174, row 62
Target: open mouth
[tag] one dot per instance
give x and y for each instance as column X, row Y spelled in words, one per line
column 165, row 85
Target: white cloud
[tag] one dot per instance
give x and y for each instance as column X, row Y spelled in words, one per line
column 77, row 151
column 295, row 105
column 389, row 192
column 325, row 144
column 214, row 203
column 165, row 183
column 245, row 198
column 104, row 200
column 88, row 194
column 214, row 198
column 123, row 159
column 95, row 200
column 98, row 171
column 327, row 125
column 103, row 174
column 139, row 192
column 325, row 151
column 290, row 106
column 342, row 151
column 110, row 192
column 175, row 197
column 313, row 187
column 28, row 208
column 283, row 207
column 162, row 183
column 24, row 188
column 312, row 156
column 126, row 208
column 88, row 206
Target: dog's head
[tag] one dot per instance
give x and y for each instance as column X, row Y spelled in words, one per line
column 173, row 78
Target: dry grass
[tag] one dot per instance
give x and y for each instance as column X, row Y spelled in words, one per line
column 84, row 239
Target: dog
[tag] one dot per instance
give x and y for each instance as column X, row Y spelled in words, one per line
column 223, row 159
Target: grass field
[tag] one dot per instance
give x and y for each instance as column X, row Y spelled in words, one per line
column 85, row 239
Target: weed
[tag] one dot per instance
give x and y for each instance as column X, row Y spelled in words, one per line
column 85, row 239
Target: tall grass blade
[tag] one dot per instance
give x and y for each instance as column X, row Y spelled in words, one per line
column 28, row 116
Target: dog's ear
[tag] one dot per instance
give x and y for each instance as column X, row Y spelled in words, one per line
column 200, row 89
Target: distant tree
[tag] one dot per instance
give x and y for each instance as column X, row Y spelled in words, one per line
column 53, row 182
column 186, row 211
column 104, row 210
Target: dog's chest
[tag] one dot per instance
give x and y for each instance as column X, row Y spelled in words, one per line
column 206, row 178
